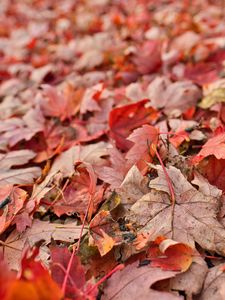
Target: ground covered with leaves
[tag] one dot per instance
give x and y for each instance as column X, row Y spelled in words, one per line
column 112, row 149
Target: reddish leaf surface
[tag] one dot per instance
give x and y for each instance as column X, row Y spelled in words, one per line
column 145, row 140
column 33, row 282
column 76, row 287
column 170, row 255
column 214, row 146
column 214, row 170
column 12, row 201
column 124, row 119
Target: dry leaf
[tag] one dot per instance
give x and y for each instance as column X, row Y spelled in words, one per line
column 193, row 217
column 135, row 282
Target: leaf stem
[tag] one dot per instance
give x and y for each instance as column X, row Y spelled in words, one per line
column 75, row 249
column 169, row 182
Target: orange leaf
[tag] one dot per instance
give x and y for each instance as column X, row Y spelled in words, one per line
column 170, row 255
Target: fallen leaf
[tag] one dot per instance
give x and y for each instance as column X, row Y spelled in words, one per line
column 123, row 120
column 115, row 173
column 170, row 255
column 12, row 201
column 33, row 282
column 148, row 57
column 214, row 284
column 191, row 281
column 214, row 146
column 104, row 232
column 214, row 170
column 19, row 176
column 39, row 231
column 76, row 285
column 177, row 96
column 133, row 187
column 216, row 96
column 145, row 140
column 15, row 158
column 135, row 282
column 193, row 217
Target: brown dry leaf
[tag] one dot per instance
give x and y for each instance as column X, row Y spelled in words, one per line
column 15, row 158
column 214, row 284
column 133, row 187
column 40, row 231
column 19, row 176
column 104, row 232
column 192, row 280
column 193, row 217
column 135, row 282
column 177, row 96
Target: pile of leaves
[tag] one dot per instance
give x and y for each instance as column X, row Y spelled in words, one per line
column 112, row 149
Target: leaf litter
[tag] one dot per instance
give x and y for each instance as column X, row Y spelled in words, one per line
column 112, row 133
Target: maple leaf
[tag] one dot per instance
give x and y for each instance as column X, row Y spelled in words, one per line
column 214, row 170
column 191, row 281
column 144, row 139
column 12, row 200
column 193, row 216
column 76, row 287
column 123, row 120
column 62, row 104
column 15, row 158
column 148, row 58
column 33, row 282
column 214, row 284
column 214, row 146
column 115, row 173
column 170, row 255
column 19, row 176
column 135, row 282
column 133, row 187
column 104, row 232
column 14, row 130
column 77, row 195
column 177, row 96
column 39, row 231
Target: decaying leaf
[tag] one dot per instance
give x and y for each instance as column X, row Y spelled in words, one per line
column 193, row 217
column 170, row 255
column 214, row 284
column 40, row 231
column 76, row 286
column 135, row 282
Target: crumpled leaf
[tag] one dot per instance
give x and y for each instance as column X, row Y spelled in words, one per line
column 170, row 255
column 77, row 194
column 135, row 282
column 104, row 232
column 192, row 218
